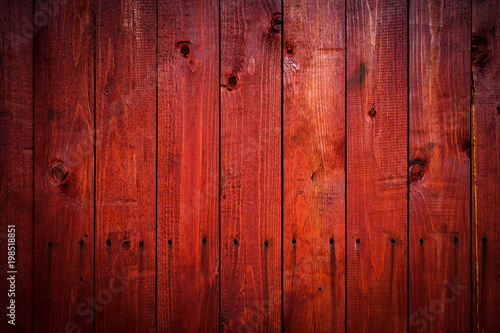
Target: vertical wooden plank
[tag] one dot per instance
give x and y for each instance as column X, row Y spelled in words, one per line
column 314, row 166
column 188, row 166
column 250, row 165
column 16, row 164
column 64, row 165
column 439, row 169
column 376, row 165
column 126, row 166
column 486, row 161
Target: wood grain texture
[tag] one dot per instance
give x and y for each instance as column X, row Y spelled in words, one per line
column 376, row 165
column 126, row 166
column 376, row 213
column 188, row 166
column 314, row 166
column 250, row 204
column 64, row 165
column 439, row 171
column 16, row 159
column 486, row 163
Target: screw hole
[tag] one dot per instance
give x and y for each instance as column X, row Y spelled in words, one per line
column 331, row 241
column 235, row 241
column 204, row 240
column 50, row 244
column 266, row 243
column 169, row 242
column 357, row 241
column 393, row 241
column 421, row 241
column 80, row 242
column 455, row 239
column 294, row 241
column 108, row 242
column 141, row 243
column 484, row 240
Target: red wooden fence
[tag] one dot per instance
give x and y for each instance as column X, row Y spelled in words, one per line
column 250, row 166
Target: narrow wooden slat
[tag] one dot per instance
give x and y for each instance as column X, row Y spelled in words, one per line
column 126, row 166
column 439, row 169
column 376, row 166
column 314, row 161
column 250, row 204
column 486, row 162
column 188, row 166
column 64, row 166
column 16, row 162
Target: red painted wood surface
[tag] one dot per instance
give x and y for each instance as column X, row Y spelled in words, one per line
column 376, row 166
column 314, row 167
column 64, row 166
column 16, row 161
column 126, row 166
column 439, row 170
column 250, row 206
column 188, row 166
column 255, row 166
column 486, row 163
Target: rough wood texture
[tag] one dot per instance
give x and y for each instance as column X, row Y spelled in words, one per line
column 188, row 166
column 389, row 113
column 16, row 159
column 126, row 166
column 439, row 169
column 64, row 165
column 376, row 165
column 250, row 166
column 314, row 168
column 486, row 163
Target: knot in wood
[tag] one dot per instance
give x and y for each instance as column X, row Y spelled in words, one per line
column 480, row 50
column 58, row 173
column 277, row 23
column 232, row 82
column 416, row 172
column 372, row 113
column 184, row 50
column 126, row 244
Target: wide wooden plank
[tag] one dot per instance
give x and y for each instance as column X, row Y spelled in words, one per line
column 250, row 204
column 486, row 162
column 64, row 166
column 126, row 166
column 439, row 166
column 314, row 166
column 188, row 166
column 16, row 164
column 376, row 165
